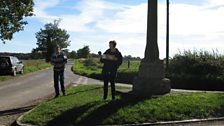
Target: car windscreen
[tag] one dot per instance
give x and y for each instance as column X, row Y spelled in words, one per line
column 4, row 61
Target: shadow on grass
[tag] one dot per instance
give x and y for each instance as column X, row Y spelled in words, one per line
column 81, row 91
column 15, row 111
column 70, row 116
column 94, row 113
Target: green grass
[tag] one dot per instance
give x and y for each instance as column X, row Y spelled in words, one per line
column 92, row 68
column 35, row 65
column 30, row 66
column 81, row 67
column 84, row 106
column 134, row 66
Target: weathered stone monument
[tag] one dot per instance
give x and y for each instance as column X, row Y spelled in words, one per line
column 151, row 77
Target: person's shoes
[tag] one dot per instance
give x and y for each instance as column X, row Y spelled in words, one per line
column 56, row 95
column 113, row 97
column 64, row 94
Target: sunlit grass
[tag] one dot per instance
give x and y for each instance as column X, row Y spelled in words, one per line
column 92, row 68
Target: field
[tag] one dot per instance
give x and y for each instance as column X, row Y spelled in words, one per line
column 92, row 68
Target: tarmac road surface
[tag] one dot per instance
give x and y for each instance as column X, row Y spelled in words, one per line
column 17, row 93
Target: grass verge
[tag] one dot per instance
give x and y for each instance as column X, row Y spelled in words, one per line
column 91, row 67
column 84, row 106
column 29, row 66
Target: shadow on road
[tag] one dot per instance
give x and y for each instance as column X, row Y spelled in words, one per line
column 15, row 110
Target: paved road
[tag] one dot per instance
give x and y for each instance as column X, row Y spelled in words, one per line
column 18, row 93
column 21, row 90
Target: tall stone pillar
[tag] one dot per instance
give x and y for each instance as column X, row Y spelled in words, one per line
column 151, row 77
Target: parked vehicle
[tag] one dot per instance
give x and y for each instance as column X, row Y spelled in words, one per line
column 11, row 65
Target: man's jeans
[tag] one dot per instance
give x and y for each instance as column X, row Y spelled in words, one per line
column 59, row 75
column 109, row 77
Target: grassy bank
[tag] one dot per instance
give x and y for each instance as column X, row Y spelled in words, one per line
column 29, row 66
column 84, row 106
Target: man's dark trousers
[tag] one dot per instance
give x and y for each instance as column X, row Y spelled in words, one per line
column 57, row 75
column 109, row 77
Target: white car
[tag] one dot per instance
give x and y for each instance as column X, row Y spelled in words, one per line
column 11, row 65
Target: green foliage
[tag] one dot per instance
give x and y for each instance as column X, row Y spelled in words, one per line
column 73, row 54
column 12, row 13
column 84, row 106
column 196, row 68
column 188, row 70
column 88, row 67
column 90, row 62
column 49, row 37
column 83, row 52
column 195, row 63
column 21, row 56
column 35, row 54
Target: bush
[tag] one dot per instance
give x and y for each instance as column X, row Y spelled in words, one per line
column 197, row 70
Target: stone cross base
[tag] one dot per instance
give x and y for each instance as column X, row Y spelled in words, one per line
column 151, row 80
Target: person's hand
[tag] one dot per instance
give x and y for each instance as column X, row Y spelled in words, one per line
column 100, row 53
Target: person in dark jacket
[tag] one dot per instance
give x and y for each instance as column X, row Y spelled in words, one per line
column 111, row 59
column 59, row 60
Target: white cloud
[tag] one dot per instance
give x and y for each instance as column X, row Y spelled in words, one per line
column 127, row 24
column 197, row 26
column 39, row 10
column 196, row 19
column 125, row 18
column 215, row 2
column 132, row 19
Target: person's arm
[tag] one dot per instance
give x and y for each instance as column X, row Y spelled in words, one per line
column 65, row 59
column 120, row 59
column 52, row 60
column 102, row 60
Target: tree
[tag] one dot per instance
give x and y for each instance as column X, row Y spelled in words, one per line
column 73, row 54
column 12, row 13
column 83, row 52
column 51, row 36
column 35, row 54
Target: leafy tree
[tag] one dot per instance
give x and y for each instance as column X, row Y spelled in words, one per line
column 73, row 54
column 83, row 52
column 35, row 54
column 12, row 13
column 51, row 36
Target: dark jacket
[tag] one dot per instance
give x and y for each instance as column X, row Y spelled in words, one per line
column 111, row 65
column 59, row 61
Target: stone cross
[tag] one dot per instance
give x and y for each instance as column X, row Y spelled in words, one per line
column 152, row 51
column 151, row 77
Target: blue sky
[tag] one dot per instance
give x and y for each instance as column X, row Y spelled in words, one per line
column 194, row 25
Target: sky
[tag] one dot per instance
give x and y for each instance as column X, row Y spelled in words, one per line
column 194, row 25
